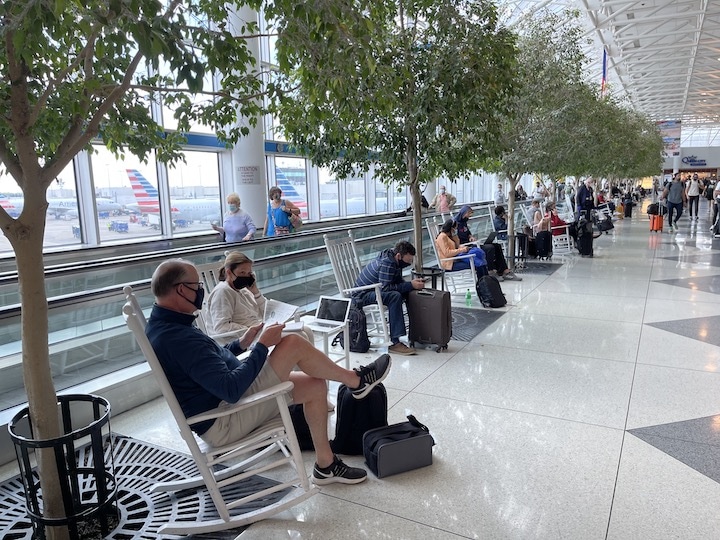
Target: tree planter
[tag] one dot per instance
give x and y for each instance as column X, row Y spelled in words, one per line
column 84, row 460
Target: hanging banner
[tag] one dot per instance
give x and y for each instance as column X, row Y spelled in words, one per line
column 670, row 131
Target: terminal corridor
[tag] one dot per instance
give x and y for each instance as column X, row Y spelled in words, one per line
column 588, row 410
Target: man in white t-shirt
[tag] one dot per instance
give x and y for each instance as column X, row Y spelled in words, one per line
column 500, row 198
column 693, row 195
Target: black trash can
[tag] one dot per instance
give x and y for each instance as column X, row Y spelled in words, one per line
column 86, row 470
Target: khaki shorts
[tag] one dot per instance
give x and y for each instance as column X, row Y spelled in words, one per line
column 233, row 427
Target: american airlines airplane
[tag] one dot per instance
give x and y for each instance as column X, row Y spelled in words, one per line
column 147, row 199
column 59, row 207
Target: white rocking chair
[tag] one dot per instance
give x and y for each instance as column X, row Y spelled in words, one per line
column 459, row 281
column 258, row 449
column 346, row 268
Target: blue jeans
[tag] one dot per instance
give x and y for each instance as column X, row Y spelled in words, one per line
column 393, row 301
column 674, row 206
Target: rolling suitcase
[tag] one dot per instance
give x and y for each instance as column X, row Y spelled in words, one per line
column 430, row 317
column 543, row 243
column 656, row 223
column 585, row 237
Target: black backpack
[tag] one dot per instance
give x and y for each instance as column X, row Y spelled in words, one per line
column 353, row 417
column 359, row 340
column 490, row 293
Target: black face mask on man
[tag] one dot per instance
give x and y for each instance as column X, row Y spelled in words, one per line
column 199, row 297
column 241, row 282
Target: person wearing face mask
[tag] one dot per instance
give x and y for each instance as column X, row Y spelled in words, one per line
column 387, row 270
column 205, row 375
column 236, row 303
column 448, row 246
column 496, row 262
column 238, row 225
column 279, row 210
column 443, row 201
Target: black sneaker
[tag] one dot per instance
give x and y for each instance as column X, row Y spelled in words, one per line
column 371, row 375
column 338, row 472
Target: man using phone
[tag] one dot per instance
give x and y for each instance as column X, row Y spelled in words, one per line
column 386, row 270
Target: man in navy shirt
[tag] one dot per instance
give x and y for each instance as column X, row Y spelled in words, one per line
column 205, row 375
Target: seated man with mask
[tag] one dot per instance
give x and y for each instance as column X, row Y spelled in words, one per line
column 204, row 375
column 387, row 270
column 236, row 304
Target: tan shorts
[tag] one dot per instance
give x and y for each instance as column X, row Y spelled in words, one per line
column 233, row 427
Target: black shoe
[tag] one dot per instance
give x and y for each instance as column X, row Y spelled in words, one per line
column 339, row 473
column 371, row 375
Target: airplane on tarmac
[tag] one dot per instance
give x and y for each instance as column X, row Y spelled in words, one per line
column 147, row 199
column 59, row 207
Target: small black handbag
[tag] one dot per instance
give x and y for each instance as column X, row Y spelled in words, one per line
column 398, row 448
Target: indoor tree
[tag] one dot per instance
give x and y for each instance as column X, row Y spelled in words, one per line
column 76, row 72
column 416, row 89
column 550, row 69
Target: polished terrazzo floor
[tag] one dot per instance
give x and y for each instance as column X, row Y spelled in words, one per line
column 590, row 409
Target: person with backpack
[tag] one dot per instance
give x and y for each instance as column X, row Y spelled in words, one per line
column 387, row 270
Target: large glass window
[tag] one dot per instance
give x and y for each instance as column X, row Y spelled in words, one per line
column 63, row 225
column 381, row 197
column 291, row 178
column 355, row 195
column 329, row 194
column 133, row 185
column 195, row 192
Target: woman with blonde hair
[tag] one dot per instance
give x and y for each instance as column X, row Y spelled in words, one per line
column 236, row 303
column 238, row 225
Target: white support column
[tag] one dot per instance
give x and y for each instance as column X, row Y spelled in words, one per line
column 247, row 157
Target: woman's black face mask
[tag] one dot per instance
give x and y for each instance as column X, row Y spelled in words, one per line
column 241, row 282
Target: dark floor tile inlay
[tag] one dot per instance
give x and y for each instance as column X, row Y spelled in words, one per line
column 710, row 284
column 696, row 443
column 468, row 323
column 701, row 328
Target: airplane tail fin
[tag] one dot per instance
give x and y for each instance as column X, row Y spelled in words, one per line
column 289, row 191
column 145, row 193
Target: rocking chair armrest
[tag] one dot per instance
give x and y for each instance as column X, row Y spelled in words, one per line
column 458, row 258
column 222, row 335
column 244, row 403
column 363, row 288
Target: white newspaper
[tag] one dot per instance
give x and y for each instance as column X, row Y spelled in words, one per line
column 278, row 312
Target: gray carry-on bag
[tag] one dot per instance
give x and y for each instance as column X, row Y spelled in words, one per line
column 398, row 448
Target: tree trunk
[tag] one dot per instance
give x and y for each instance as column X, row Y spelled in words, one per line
column 26, row 236
column 412, row 168
column 514, row 180
column 417, row 225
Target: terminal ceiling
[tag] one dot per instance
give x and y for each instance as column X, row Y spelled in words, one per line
column 663, row 56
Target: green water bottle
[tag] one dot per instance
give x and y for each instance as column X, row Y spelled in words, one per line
column 468, row 298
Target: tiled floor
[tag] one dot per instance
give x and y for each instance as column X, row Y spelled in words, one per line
column 586, row 411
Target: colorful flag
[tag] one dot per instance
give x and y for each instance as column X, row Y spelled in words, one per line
column 604, row 74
